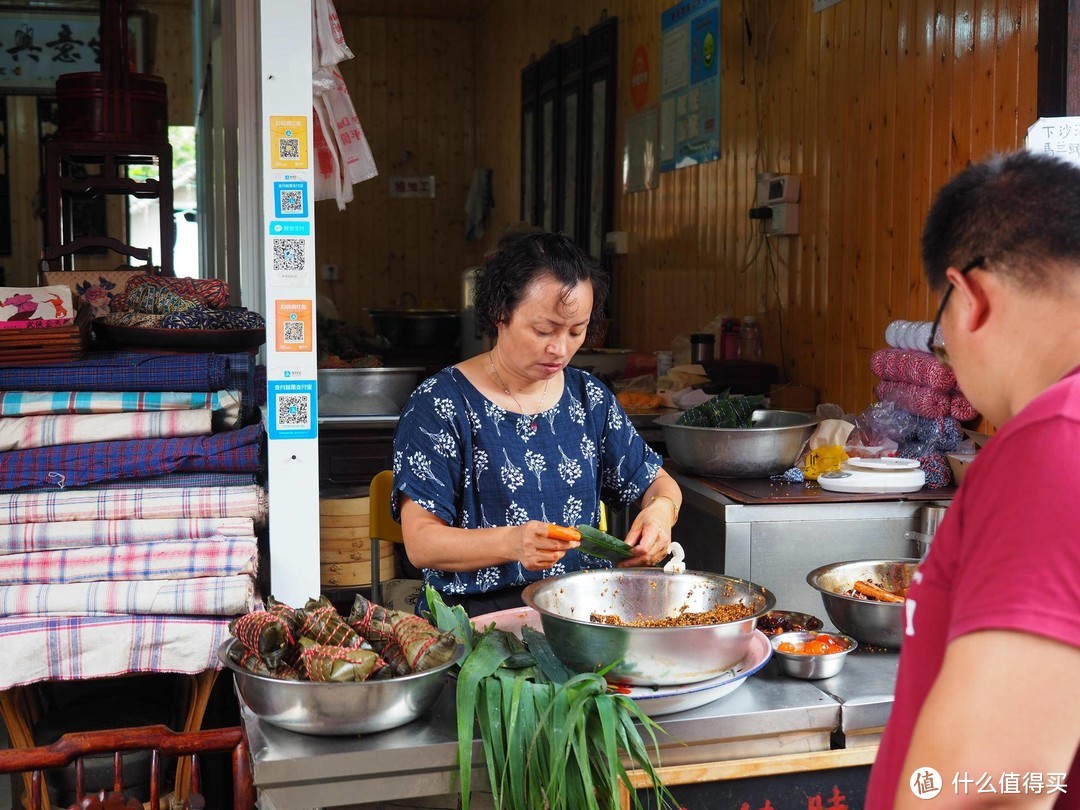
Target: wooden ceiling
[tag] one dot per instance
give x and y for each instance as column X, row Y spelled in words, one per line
column 446, row 9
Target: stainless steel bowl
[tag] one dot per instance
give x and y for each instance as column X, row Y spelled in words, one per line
column 645, row 656
column 335, row 709
column 776, row 622
column 880, row 624
column 772, row 445
column 810, row 667
column 365, row 391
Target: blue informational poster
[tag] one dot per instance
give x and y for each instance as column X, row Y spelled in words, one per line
column 690, row 84
column 293, row 409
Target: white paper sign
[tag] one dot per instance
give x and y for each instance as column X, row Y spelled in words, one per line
column 1056, row 136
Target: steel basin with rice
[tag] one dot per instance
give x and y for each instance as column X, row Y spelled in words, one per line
column 771, row 445
column 337, row 709
column 646, row 656
column 879, row 624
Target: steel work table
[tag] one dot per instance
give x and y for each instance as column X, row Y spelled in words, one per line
column 769, row 716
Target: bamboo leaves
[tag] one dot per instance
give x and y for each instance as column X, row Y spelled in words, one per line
column 552, row 739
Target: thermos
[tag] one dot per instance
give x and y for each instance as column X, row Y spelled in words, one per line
column 702, row 345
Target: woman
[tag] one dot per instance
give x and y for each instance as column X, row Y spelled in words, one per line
column 489, row 452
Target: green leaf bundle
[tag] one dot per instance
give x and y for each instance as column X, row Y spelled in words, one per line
column 552, row 739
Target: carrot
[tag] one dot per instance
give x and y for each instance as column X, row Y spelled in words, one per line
column 874, row 592
column 556, row 532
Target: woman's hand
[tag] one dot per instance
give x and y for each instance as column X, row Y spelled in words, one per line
column 650, row 535
column 534, row 549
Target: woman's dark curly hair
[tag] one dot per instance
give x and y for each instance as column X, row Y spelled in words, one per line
column 520, row 259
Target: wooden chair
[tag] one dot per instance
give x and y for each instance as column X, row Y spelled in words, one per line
column 61, row 257
column 383, row 527
column 158, row 739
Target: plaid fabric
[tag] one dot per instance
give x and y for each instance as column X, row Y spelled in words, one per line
column 75, row 465
column 63, row 648
column 21, row 538
column 133, row 504
column 171, row 481
column 241, row 377
column 181, row 559
column 205, row 596
column 224, row 404
column 26, row 432
column 122, row 371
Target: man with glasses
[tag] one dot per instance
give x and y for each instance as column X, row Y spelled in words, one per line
column 987, row 709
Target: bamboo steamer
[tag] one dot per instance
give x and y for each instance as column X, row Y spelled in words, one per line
column 344, row 507
column 343, row 575
column 344, row 521
column 345, row 535
column 352, row 554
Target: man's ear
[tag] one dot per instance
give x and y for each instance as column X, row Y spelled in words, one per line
column 972, row 298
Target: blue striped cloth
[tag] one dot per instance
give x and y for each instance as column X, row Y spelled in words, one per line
column 173, row 481
column 126, row 371
column 79, row 464
column 241, row 377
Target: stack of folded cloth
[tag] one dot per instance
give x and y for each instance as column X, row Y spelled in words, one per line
column 179, row 303
column 130, row 497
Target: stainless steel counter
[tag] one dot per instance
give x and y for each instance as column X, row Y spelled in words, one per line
column 776, row 540
column 769, row 715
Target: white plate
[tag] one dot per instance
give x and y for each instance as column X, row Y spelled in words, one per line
column 886, row 464
column 656, row 701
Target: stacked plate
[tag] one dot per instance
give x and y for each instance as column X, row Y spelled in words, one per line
column 345, row 544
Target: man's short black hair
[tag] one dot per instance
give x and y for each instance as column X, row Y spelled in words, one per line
column 1020, row 211
column 520, row 259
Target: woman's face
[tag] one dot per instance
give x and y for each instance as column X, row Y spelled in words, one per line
column 546, row 328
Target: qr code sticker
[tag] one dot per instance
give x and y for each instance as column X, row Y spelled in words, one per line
column 289, row 148
column 293, row 332
column 294, row 411
column 291, row 202
column 288, row 256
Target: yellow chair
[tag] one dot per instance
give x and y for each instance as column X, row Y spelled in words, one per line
column 383, row 526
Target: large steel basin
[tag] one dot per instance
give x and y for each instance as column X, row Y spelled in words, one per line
column 646, row 656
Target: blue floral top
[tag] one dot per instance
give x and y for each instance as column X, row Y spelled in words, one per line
column 475, row 465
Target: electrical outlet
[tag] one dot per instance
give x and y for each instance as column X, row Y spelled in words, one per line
column 331, row 272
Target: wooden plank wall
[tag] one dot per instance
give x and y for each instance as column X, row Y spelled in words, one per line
column 874, row 103
column 412, row 83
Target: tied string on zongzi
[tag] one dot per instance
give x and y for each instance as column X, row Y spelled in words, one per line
column 253, row 663
column 407, row 642
column 264, row 635
column 326, row 664
column 323, row 624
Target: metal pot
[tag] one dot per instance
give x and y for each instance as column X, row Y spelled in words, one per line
column 879, row 624
column 771, row 446
column 365, row 391
column 418, row 328
column 645, row 656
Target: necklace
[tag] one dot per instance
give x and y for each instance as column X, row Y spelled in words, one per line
column 506, row 390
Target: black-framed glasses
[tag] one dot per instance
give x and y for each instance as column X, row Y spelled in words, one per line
column 936, row 349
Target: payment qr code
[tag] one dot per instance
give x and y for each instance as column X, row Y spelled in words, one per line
column 289, row 148
column 291, row 202
column 294, row 411
column 288, row 256
column 293, row 332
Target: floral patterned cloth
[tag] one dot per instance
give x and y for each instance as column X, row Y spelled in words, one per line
column 474, row 465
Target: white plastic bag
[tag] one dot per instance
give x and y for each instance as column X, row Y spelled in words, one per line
column 357, row 162
column 327, row 36
column 329, row 184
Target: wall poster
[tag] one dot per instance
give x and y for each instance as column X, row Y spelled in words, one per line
column 690, row 84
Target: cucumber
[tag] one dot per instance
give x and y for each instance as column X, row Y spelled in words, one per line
column 602, row 544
